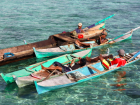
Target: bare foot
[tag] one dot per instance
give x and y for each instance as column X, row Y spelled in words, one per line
column 43, row 67
column 111, row 42
column 77, row 42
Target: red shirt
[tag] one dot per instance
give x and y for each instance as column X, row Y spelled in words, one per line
column 119, row 62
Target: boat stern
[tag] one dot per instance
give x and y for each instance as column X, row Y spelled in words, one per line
column 7, row 79
column 40, row 89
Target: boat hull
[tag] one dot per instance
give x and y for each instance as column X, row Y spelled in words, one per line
column 43, row 87
column 40, row 54
column 25, row 51
column 25, row 81
column 8, row 78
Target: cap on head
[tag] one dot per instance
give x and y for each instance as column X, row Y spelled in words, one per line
column 79, row 24
column 121, row 52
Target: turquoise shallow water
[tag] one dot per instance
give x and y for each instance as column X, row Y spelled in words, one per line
column 35, row 20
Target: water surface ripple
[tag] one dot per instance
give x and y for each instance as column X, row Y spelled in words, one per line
column 36, row 20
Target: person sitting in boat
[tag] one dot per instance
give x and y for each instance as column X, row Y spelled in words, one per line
column 111, row 63
column 102, row 39
column 63, row 68
column 79, row 29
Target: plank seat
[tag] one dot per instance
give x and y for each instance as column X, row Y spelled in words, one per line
column 98, row 71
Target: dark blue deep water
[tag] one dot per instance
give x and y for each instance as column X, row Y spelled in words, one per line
column 36, row 20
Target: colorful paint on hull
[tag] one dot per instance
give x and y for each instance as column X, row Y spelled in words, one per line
column 42, row 89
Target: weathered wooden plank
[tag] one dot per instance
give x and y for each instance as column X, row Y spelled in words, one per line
column 65, row 38
column 98, row 71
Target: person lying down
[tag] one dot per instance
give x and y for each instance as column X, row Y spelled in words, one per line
column 66, row 68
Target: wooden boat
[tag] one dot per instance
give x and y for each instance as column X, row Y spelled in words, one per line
column 25, row 51
column 85, row 73
column 90, row 32
column 73, row 48
column 66, row 49
column 8, row 78
column 37, row 76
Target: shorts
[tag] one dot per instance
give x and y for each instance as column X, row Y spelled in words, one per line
column 105, row 64
column 64, row 68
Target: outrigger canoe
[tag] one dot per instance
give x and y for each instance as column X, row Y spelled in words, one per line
column 85, row 73
column 39, row 76
column 73, row 48
column 25, row 51
column 8, row 78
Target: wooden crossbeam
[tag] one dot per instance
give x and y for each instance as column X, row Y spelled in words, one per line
column 65, row 38
column 98, row 71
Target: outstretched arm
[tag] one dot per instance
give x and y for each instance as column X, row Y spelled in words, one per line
column 98, row 58
column 72, row 62
column 91, row 39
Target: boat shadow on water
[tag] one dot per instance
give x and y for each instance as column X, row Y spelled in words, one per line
column 26, row 92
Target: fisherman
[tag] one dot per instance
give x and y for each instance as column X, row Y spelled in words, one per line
column 111, row 63
column 79, row 29
column 62, row 68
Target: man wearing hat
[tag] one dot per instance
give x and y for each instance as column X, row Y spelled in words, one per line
column 111, row 63
column 79, row 29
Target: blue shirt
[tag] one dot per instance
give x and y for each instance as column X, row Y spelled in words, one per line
column 78, row 30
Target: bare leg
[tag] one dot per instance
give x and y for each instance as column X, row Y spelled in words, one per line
column 81, row 43
column 78, row 42
column 92, row 60
column 96, row 58
column 52, row 67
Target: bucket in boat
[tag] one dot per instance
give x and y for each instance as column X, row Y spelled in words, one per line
column 80, row 36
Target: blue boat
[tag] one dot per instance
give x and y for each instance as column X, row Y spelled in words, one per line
column 85, row 73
